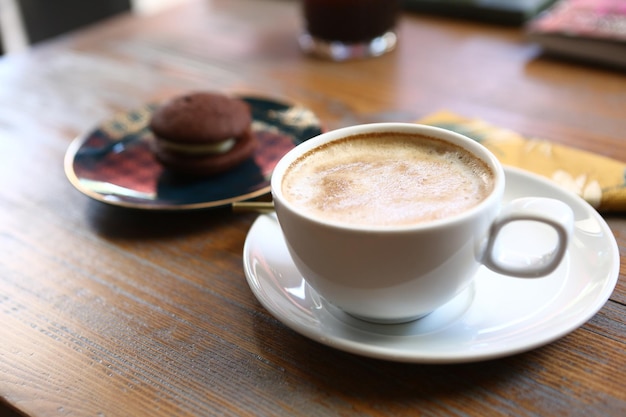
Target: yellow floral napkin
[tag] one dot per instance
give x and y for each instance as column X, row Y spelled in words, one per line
column 599, row 180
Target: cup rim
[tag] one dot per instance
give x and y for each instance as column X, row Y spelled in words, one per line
column 467, row 143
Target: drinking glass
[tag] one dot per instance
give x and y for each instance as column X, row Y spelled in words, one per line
column 347, row 29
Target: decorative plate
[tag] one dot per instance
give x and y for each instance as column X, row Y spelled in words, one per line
column 114, row 163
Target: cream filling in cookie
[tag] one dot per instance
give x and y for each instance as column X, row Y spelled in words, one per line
column 198, row 149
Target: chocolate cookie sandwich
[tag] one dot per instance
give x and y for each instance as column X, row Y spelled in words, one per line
column 202, row 133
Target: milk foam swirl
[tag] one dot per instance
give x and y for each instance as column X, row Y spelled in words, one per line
column 387, row 179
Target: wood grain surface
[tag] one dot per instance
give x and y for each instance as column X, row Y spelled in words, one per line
column 114, row 312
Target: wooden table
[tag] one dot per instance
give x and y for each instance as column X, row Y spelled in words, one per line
column 112, row 312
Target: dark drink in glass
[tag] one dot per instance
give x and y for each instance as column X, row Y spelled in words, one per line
column 346, row 29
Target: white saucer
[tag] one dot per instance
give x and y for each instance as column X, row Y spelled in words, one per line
column 497, row 316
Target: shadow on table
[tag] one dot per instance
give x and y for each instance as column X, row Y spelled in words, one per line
column 119, row 222
column 385, row 382
column 7, row 410
column 583, row 63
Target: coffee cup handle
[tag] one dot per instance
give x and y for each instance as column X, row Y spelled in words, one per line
column 554, row 213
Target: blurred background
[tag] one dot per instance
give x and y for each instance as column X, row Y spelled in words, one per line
column 25, row 22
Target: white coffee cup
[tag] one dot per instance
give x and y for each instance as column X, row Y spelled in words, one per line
column 396, row 273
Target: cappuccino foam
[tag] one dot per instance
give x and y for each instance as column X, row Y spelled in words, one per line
column 387, row 179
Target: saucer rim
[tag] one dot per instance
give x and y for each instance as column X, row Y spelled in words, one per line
column 591, row 306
